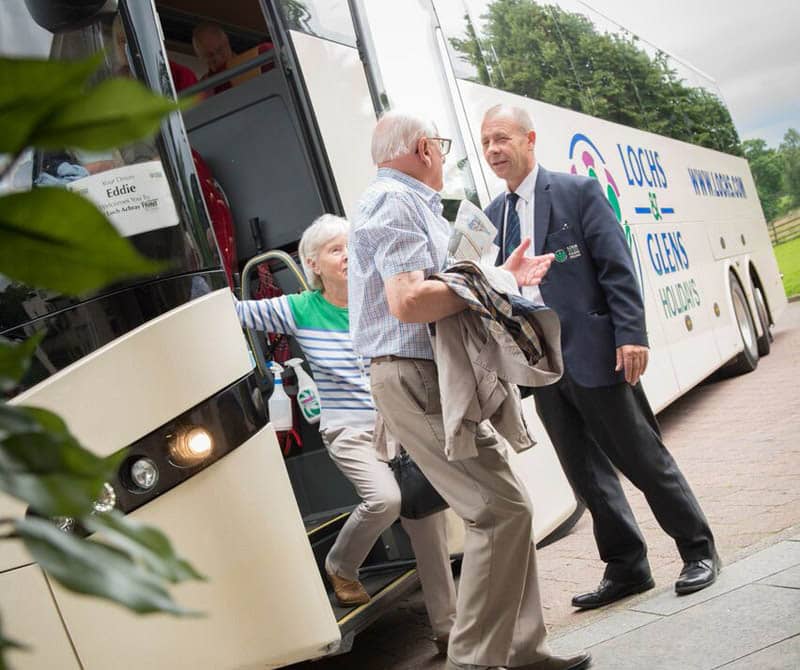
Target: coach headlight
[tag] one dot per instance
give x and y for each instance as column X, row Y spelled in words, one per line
column 191, row 446
column 144, row 474
column 107, row 499
column 66, row 524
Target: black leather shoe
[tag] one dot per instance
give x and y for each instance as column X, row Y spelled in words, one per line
column 610, row 591
column 696, row 575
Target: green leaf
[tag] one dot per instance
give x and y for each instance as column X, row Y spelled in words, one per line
column 86, row 566
column 14, row 360
column 143, row 543
column 42, row 464
column 52, row 238
column 31, row 89
column 113, row 113
column 7, row 643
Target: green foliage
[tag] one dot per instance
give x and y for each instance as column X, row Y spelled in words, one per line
column 14, row 360
column 790, row 151
column 95, row 120
column 7, row 643
column 149, row 545
column 67, row 112
column 43, row 465
column 56, row 239
column 549, row 54
column 296, row 13
column 82, row 247
column 30, row 90
column 776, row 173
column 94, row 568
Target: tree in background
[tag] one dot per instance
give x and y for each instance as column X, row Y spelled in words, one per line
column 790, row 152
column 776, row 173
column 549, row 54
column 767, row 167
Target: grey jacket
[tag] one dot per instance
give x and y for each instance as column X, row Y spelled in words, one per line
column 480, row 363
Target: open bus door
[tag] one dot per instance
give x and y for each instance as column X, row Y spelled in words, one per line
column 149, row 359
column 353, row 60
column 408, row 66
column 286, row 146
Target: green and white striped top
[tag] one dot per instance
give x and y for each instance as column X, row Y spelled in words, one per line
column 323, row 332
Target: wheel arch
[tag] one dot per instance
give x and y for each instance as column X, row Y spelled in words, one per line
column 756, row 282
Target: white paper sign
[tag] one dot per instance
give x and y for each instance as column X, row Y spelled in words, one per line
column 135, row 198
column 473, row 236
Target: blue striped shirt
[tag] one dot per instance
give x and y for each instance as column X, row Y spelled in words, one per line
column 398, row 228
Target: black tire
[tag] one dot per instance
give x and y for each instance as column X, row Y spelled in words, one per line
column 747, row 360
column 765, row 340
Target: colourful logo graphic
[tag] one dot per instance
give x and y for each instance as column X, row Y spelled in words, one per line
column 587, row 160
column 654, row 206
column 593, row 164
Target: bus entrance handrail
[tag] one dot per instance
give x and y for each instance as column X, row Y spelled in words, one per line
column 254, row 262
column 228, row 74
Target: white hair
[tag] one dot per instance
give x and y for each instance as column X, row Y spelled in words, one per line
column 516, row 114
column 316, row 236
column 397, row 134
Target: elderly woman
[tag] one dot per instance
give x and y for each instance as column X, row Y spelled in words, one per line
column 318, row 318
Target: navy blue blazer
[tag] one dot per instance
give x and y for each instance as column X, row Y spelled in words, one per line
column 592, row 284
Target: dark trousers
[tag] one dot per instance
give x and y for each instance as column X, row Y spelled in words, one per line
column 594, row 431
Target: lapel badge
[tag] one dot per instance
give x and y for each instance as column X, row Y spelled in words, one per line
column 560, row 255
column 573, row 251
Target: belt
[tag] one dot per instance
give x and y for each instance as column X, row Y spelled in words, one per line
column 390, row 358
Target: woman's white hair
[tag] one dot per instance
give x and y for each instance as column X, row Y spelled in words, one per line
column 397, row 134
column 516, row 114
column 316, row 236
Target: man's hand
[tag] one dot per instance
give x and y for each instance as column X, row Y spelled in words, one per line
column 633, row 357
column 528, row 271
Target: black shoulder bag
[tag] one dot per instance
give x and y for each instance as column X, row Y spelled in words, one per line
column 418, row 497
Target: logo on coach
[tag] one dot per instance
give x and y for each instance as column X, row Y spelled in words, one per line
column 588, row 160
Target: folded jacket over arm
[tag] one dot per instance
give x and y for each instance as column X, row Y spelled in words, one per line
column 484, row 352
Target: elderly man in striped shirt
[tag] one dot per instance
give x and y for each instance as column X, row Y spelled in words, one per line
column 399, row 238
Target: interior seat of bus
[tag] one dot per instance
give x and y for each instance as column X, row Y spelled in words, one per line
column 252, row 139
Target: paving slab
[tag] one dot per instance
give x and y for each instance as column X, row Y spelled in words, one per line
column 789, row 579
column 765, row 563
column 708, row 635
column 783, row 655
column 737, row 443
column 600, row 631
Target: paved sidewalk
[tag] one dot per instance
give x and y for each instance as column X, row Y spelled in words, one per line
column 738, row 443
column 748, row 620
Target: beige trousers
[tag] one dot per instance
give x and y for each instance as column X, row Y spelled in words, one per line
column 498, row 612
column 354, row 454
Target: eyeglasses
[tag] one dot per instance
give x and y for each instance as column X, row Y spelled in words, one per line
column 444, row 144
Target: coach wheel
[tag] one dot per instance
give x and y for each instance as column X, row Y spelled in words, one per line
column 764, row 341
column 747, row 360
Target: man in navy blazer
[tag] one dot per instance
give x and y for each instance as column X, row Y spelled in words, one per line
column 597, row 415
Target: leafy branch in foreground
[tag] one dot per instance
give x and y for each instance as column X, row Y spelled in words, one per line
column 55, row 239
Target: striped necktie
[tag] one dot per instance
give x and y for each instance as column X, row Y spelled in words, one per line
column 512, row 238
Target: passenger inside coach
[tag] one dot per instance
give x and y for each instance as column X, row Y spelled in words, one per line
column 212, row 46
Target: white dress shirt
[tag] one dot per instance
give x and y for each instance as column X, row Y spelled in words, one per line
column 526, row 192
